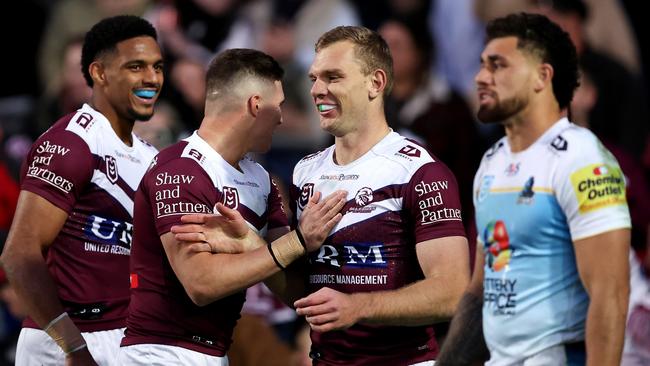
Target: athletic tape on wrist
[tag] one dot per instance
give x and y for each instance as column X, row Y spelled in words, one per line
column 65, row 333
column 287, row 249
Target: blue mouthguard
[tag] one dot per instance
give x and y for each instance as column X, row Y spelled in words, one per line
column 145, row 93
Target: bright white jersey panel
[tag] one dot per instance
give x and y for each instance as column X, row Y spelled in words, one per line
column 530, row 208
column 123, row 165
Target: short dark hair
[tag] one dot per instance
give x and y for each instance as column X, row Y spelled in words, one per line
column 369, row 47
column 546, row 40
column 230, row 65
column 104, row 36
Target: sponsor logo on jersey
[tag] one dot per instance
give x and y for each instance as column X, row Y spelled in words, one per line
column 497, row 245
column 247, row 183
column 85, row 120
column 111, row 169
column 559, row 143
column 408, row 151
column 230, row 197
column 361, row 255
column 305, row 194
column 512, row 169
column 339, row 177
column 196, row 155
column 527, row 194
column 50, row 148
column 598, row 186
column 107, row 236
column 309, row 157
column 499, row 294
column 484, row 187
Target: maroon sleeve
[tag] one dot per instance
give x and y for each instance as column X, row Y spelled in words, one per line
column 176, row 188
column 294, row 195
column 277, row 215
column 431, row 198
column 58, row 167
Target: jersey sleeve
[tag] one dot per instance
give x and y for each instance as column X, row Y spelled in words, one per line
column 431, row 200
column 178, row 187
column 590, row 188
column 58, row 167
column 277, row 215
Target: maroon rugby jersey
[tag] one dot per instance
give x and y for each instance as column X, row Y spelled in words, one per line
column 190, row 177
column 82, row 167
column 399, row 195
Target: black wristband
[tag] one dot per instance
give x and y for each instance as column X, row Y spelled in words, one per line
column 300, row 238
column 273, row 256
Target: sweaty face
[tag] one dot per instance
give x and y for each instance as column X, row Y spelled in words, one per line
column 134, row 76
column 504, row 81
column 269, row 117
column 339, row 88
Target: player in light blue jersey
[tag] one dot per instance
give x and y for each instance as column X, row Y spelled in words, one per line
column 551, row 274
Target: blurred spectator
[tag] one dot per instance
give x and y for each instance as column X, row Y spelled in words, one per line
column 459, row 36
column 13, row 312
column 71, row 93
column 163, row 129
column 608, row 28
column 620, row 113
column 636, row 351
column 70, row 19
column 186, row 91
column 423, row 107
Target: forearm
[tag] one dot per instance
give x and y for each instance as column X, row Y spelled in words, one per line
column 33, row 283
column 424, row 302
column 465, row 344
column 605, row 330
column 210, row 277
column 289, row 285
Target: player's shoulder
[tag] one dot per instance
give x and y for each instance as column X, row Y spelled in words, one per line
column 404, row 153
column 575, row 145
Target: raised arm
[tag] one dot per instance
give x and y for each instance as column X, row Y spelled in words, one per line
column 444, row 262
column 603, row 265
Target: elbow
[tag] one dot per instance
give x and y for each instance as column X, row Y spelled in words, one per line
column 203, row 294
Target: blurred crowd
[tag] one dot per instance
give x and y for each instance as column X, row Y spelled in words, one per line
column 435, row 45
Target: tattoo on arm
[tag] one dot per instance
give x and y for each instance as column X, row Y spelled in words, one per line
column 464, row 344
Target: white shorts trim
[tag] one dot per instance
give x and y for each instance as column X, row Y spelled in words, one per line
column 36, row 348
column 163, row 355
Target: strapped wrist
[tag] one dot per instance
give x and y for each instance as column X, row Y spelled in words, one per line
column 65, row 333
column 287, row 249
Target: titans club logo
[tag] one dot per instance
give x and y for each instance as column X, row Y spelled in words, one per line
column 305, row 194
column 230, row 197
column 111, row 169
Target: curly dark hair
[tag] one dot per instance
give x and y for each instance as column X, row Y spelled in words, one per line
column 541, row 37
column 104, row 36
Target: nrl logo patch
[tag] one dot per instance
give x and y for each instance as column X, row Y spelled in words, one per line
column 231, row 197
column 305, row 194
column 111, row 169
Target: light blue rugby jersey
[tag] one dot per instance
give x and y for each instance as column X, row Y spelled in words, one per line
column 530, row 207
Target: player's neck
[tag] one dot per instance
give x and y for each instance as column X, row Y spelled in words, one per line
column 122, row 127
column 528, row 126
column 223, row 140
column 355, row 144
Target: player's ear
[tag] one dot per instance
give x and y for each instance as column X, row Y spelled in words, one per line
column 253, row 105
column 97, row 72
column 544, row 77
column 377, row 83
